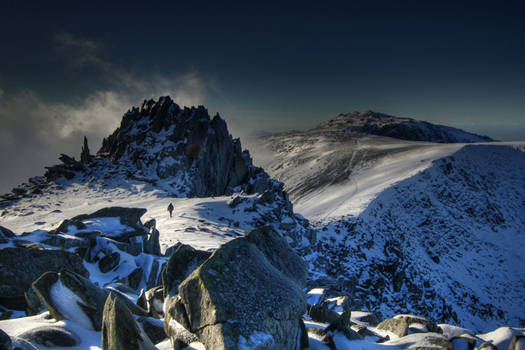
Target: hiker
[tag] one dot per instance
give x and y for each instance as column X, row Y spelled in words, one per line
column 170, row 209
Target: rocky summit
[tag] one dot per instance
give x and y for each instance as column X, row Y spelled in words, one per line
column 194, row 151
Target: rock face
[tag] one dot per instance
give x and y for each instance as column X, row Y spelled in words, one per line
column 248, row 294
column 119, row 328
column 19, row 267
column 196, row 149
column 181, row 264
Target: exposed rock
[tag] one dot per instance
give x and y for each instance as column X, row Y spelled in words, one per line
column 321, row 313
column 323, row 336
column 52, row 287
column 128, row 216
column 63, row 227
column 119, row 328
column 249, row 289
column 153, row 301
column 398, row 326
column 85, row 156
column 193, row 143
column 370, row 318
column 51, row 336
column 5, row 341
column 5, row 233
column 401, row 324
column 109, row 262
column 134, row 278
column 179, row 335
column 153, row 328
column 151, row 241
column 19, row 267
column 517, row 343
column 180, row 265
column 488, row 346
column 426, row 341
column 34, row 306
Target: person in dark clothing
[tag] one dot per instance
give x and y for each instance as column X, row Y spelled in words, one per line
column 170, row 209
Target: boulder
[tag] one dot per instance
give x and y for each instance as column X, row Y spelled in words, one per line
column 19, row 267
column 120, row 331
column 109, row 262
column 151, row 241
column 153, row 328
column 7, row 232
column 517, row 343
column 153, row 301
column 321, row 313
column 51, row 336
column 398, row 326
column 5, row 341
column 247, row 294
column 322, row 336
column 128, row 216
column 67, row 295
column 34, row 306
column 401, row 324
column 425, row 341
column 180, row 265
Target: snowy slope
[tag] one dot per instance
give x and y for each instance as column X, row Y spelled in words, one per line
column 445, row 243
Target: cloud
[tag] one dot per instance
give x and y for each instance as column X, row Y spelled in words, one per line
column 34, row 130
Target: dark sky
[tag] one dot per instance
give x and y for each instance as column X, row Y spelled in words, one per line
column 71, row 69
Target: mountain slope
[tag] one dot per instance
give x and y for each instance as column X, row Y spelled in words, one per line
column 445, row 243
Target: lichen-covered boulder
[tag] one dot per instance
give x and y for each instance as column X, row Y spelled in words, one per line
column 120, row 331
column 401, row 324
column 247, row 294
column 19, row 267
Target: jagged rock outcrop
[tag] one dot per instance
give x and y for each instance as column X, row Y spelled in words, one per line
column 247, row 294
column 85, row 155
column 184, row 144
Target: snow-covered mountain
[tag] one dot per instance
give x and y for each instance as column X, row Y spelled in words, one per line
column 445, row 243
column 418, row 225
column 399, row 226
column 381, row 124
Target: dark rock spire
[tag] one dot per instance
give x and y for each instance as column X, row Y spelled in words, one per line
column 85, row 156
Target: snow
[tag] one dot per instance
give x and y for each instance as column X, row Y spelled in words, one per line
column 502, row 336
column 314, row 295
column 89, row 339
column 67, row 303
